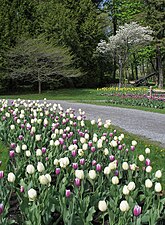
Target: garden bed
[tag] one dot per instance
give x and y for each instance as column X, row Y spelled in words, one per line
column 64, row 170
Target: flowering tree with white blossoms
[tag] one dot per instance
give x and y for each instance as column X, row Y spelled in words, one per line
column 127, row 39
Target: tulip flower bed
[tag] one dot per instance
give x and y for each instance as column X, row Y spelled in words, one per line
column 63, row 171
column 133, row 97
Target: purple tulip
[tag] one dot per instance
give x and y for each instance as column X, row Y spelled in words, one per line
column 46, row 158
column 64, row 136
column 98, row 167
column 43, row 150
column 22, row 126
column 111, row 158
column 74, row 166
column 126, row 150
column 77, row 182
column 74, row 124
column 20, row 137
column 137, row 210
column 64, row 147
column 1, row 208
column 132, row 148
column 57, row 171
column 61, row 140
column 12, row 145
column 67, row 193
column 1, row 174
column 94, row 162
column 120, row 147
column 22, row 189
column 104, row 134
column 75, row 141
column 11, row 154
column 116, row 173
column 93, row 149
column 82, row 161
column 74, row 153
column 111, row 134
column 148, row 162
column 90, row 143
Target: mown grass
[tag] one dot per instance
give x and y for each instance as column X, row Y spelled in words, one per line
column 91, row 96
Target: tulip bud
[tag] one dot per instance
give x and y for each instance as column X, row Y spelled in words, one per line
column 107, row 170
column 43, row 150
column 32, row 194
column 1, row 208
column 147, row 151
column 148, row 183
column 102, row 205
column 1, row 174
column 94, row 162
column 74, row 153
column 125, row 190
column 148, row 169
column 124, row 207
column 115, row 180
column 132, row 148
column 148, row 162
column 137, row 210
column 131, row 186
column 11, row 177
column 98, row 167
column 67, row 193
column 40, row 167
column 38, row 152
column 79, row 174
column 30, row 169
column 77, row 182
column 93, row 149
column 82, row 161
column 158, row 187
column 141, row 158
column 57, row 171
column 158, row 174
column 92, row 174
column 74, row 166
column 22, row 189
column 125, row 166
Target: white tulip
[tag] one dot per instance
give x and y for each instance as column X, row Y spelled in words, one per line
column 18, row 149
column 113, row 143
column 125, row 190
column 86, row 136
column 99, row 143
column 38, row 137
column 112, row 165
column 107, row 170
column 102, row 205
column 38, row 152
column 11, row 177
column 56, row 162
column 93, row 122
column 24, row 147
column 134, row 143
column 40, row 167
column 124, row 207
column 30, row 169
column 12, row 127
column 28, row 153
column 57, row 143
column 92, row 174
column 148, row 183
column 51, row 142
column 32, row 194
column 158, row 174
column 115, row 180
column 141, row 158
column 158, row 187
column 125, row 166
column 43, row 180
column 79, row 174
column 131, row 186
column 48, row 177
column 82, row 140
column 147, row 151
column 80, row 152
column 148, row 169
column 106, row 152
column 85, row 146
column 64, row 162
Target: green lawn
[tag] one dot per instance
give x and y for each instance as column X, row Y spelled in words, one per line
column 91, row 96
column 4, row 156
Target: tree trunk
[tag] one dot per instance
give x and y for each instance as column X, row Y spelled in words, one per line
column 136, row 68
column 120, row 72
column 159, row 67
column 39, row 87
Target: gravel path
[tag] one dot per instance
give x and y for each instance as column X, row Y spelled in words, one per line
column 148, row 124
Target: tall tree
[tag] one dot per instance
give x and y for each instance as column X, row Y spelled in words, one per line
column 155, row 18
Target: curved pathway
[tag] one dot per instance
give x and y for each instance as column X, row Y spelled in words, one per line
column 148, row 124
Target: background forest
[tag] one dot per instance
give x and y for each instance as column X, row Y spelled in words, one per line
column 51, row 44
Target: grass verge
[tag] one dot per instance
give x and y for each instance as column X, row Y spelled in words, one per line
column 4, row 156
